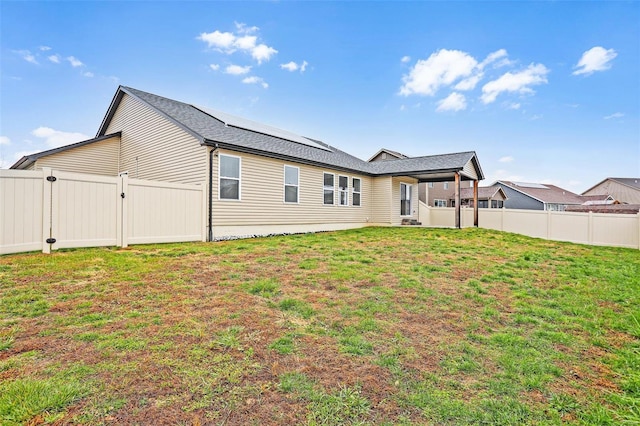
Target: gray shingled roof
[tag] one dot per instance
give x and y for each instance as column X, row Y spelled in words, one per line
column 634, row 182
column 210, row 131
column 549, row 194
column 26, row 160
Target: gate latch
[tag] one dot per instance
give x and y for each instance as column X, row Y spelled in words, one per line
column 52, row 178
column 51, row 240
column 122, row 195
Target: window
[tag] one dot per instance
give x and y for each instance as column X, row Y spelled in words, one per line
column 229, row 174
column 355, row 197
column 497, row 204
column 446, row 185
column 328, row 188
column 405, row 199
column 430, row 184
column 291, row 186
column 483, row 204
column 439, row 203
column 343, row 190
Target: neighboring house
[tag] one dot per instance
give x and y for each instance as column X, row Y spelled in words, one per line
column 492, row 197
column 439, row 194
column 624, row 190
column 537, row 196
column 260, row 180
column 598, row 200
column 606, row 208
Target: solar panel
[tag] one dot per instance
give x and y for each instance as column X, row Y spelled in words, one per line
column 531, row 185
column 243, row 123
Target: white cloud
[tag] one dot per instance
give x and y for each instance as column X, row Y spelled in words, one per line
column 469, row 83
column 518, row 82
column 219, row 40
column 87, row 74
column 262, row 52
column 56, row 138
column 292, row 66
column 75, row 62
column 405, row 59
column 289, row 66
column 246, row 42
column 595, row 59
column 255, row 80
column 614, row 115
column 237, row 69
column 44, row 48
column 492, row 57
column 506, row 159
column 513, row 105
column 442, row 68
column 243, row 40
column 5, row 140
column 449, row 67
column 27, row 56
column 244, row 29
column 54, row 58
column 453, row 102
column 535, row 117
column 214, row 67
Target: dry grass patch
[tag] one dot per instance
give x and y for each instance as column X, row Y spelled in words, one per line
column 371, row 326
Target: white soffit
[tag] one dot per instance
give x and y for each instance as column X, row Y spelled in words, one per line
column 254, row 126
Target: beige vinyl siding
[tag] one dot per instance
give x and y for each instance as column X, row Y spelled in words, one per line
column 619, row 192
column 97, row 158
column 163, row 150
column 31, row 166
column 262, row 196
column 469, row 170
column 396, row 219
column 381, row 200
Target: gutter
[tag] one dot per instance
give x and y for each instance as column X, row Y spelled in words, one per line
column 211, row 152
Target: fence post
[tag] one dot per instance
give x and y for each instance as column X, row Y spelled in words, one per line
column 124, row 205
column 502, row 219
column 46, row 210
column 548, row 224
column 590, row 229
column 638, row 230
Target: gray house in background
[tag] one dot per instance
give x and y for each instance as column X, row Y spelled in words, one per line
column 537, row 196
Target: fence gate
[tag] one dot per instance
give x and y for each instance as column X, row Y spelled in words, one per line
column 49, row 210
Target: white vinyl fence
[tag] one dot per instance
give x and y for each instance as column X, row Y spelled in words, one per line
column 605, row 229
column 49, row 209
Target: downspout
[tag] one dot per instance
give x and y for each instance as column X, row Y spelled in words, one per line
column 215, row 148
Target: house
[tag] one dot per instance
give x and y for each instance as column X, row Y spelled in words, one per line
column 439, row 194
column 624, row 190
column 260, row 180
column 537, row 196
column 492, row 197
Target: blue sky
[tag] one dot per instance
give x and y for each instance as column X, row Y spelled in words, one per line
column 542, row 91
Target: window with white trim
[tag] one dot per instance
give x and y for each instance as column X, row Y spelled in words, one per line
column 329, row 188
column 446, row 185
column 291, row 184
column 430, row 184
column 405, row 199
column 343, row 190
column 355, row 191
column 229, row 177
column 439, row 203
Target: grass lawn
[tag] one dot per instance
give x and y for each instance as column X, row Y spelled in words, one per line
column 370, row 326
